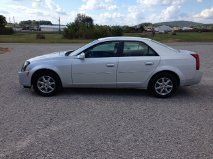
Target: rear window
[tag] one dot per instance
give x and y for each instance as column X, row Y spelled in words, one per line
column 166, row 46
column 135, row 48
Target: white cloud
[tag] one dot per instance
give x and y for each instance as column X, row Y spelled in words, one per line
column 170, row 13
column 150, row 3
column 138, row 13
column 134, row 15
column 98, row 5
column 4, row 12
column 108, row 17
column 39, row 10
column 199, row 1
column 36, row 3
column 108, row 12
column 205, row 14
column 49, row 5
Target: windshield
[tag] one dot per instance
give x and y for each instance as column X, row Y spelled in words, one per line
column 82, row 48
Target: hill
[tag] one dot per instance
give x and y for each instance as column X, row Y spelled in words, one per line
column 180, row 24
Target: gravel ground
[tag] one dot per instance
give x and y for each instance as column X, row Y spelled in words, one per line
column 103, row 123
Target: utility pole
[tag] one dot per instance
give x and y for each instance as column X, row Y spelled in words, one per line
column 59, row 24
column 13, row 21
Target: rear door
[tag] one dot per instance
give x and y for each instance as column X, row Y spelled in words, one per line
column 136, row 62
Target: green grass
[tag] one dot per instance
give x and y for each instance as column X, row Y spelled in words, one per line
column 58, row 38
column 180, row 37
column 31, row 38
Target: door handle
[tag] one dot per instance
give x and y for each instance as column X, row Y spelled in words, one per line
column 149, row 63
column 110, row 65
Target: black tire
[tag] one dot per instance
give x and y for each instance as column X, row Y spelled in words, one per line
column 168, row 89
column 54, row 78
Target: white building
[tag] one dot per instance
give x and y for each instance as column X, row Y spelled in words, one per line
column 52, row 28
column 163, row 29
column 187, row 28
column 176, row 28
column 149, row 28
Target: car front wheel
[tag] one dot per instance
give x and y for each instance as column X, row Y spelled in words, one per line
column 46, row 84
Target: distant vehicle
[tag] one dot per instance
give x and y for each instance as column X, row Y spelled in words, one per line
column 114, row 62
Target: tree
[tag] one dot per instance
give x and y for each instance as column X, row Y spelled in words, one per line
column 128, row 29
column 44, row 22
column 3, row 29
column 25, row 23
column 83, row 19
column 84, row 28
column 139, row 28
column 3, row 21
column 29, row 23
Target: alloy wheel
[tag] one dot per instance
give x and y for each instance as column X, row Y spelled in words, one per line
column 46, row 84
column 163, row 86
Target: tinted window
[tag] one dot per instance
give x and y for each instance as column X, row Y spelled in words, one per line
column 107, row 49
column 137, row 49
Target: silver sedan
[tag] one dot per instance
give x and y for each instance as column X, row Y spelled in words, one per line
column 115, row 62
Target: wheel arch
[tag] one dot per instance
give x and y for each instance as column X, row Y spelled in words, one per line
column 39, row 71
column 164, row 72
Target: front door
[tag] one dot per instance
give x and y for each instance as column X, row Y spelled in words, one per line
column 99, row 66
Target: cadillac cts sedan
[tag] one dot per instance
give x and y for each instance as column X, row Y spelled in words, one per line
column 114, row 62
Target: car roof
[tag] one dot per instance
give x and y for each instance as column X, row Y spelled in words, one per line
column 124, row 38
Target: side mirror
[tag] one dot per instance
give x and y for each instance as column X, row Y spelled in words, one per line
column 81, row 56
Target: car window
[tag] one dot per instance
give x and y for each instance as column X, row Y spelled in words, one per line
column 151, row 52
column 166, row 46
column 137, row 49
column 107, row 49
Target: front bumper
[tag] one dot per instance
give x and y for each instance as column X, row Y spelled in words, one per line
column 24, row 79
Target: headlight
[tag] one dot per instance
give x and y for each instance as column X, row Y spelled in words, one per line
column 25, row 66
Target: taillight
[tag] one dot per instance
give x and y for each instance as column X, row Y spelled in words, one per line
column 197, row 58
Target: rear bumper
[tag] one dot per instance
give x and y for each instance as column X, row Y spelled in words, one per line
column 195, row 80
column 24, row 79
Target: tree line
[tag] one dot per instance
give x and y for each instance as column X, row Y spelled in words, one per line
column 34, row 23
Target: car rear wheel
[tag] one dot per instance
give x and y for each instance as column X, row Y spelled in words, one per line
column 163, row 85
column 46, row 84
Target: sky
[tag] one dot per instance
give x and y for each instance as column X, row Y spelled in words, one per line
column 110, row 12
